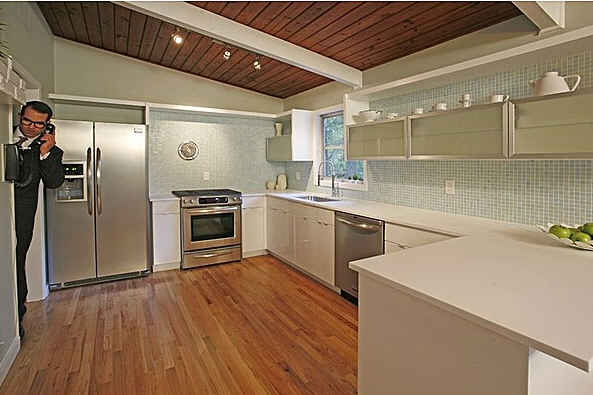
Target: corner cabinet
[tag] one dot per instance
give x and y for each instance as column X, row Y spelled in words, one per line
column 478, row 132
column 553, row 126
column 376, row 140
column 296, row 142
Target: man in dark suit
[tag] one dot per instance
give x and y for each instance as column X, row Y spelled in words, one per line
column 41, row 160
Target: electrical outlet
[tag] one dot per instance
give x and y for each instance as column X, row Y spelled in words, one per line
column 450, row 187
column 298, row 175
column 206, row 176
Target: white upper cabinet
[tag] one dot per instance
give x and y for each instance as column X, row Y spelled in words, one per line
column 296, row 142
column 553, row 126
column 478, row 132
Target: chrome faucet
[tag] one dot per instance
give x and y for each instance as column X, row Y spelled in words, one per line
column 335, row 187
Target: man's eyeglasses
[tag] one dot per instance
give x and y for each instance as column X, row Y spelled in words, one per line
column 28, row 122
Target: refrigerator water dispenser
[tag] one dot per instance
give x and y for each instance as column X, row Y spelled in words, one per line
column 74, row 187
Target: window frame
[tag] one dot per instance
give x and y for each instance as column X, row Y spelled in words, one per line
column 342, row 182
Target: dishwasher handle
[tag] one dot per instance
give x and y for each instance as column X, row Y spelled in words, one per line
column 365, row 227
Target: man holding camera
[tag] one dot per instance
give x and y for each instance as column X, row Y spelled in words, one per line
column 41, row 159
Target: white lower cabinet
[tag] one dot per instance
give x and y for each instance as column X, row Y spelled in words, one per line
column 399, row 237
column 166, row 234
column 390, row 247
column 253, row 225
column 280, row 235
column 313, row 241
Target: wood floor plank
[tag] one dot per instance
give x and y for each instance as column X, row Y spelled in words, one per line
column 252, row 327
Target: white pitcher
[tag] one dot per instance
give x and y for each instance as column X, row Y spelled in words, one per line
column 551, row 83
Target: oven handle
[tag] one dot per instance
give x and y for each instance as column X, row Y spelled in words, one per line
column 209, row 255
column 211, row 210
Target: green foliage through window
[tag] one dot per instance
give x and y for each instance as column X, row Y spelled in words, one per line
column 333, row 149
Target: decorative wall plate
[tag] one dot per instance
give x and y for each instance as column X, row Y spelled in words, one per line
column 188, row 150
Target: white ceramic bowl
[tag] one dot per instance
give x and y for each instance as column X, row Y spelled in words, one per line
column 568, row 242
column 369, row 115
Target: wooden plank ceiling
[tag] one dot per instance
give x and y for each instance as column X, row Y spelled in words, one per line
column 360, row 34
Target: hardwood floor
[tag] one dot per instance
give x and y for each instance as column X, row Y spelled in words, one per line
column 255, row 327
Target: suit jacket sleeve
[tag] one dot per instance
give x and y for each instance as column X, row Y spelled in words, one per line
column 51, row 169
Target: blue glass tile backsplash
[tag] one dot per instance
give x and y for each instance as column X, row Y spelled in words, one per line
column 525, row 191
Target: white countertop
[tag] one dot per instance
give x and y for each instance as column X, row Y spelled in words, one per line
column 162, row 197
column 516, row 282
column 435, row 221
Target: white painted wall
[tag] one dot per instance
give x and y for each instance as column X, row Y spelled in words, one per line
column 86, row 71
column 29, row 41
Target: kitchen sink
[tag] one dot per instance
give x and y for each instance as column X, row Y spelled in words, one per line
column 316, row 198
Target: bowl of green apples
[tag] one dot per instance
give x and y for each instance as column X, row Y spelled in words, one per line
column 577, row 236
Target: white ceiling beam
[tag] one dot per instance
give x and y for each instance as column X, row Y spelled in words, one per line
column 238, row 35
column 546, row 15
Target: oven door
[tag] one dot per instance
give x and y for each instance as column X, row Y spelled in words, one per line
column 211, row 227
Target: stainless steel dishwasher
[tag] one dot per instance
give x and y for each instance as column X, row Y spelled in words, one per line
column 356, row 238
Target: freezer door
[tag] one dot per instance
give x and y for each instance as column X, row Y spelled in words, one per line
column 70, row 224
column 121, row 202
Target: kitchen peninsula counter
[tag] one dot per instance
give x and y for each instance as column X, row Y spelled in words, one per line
column 523, row 295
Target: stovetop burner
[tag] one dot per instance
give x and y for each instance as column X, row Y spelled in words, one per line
column 206, row 192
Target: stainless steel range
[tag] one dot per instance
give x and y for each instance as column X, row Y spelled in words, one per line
column 210, row 226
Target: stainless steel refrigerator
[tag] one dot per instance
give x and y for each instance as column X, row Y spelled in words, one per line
column 97, row 221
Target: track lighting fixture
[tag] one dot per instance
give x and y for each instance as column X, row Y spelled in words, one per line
column 177, row 37
column 227, row 53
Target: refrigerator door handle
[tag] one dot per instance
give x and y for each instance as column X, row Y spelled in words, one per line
column 89, row 200
column 98, row 171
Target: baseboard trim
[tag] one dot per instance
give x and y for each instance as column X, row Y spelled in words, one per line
column 164, row 266
column 9, row 358
column 249, row 254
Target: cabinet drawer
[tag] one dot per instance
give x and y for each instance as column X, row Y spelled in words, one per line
column 165, row 207
column 253, row 201
column 391, row 248
column 410, row 237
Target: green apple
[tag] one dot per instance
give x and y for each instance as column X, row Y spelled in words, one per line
column 588, row 228
column 580, row 236
column 574, row 230
column 560, row 231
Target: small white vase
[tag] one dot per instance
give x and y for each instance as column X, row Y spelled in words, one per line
column 278, row 127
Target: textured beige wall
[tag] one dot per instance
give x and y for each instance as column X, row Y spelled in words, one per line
column 316, row 98
column 29, row 41
column 85, row 71
column 8, row 320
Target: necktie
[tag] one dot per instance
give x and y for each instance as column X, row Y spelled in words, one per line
column 21, row 141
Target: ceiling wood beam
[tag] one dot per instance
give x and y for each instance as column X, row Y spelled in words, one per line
column 212, row 25
column 546, row 15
